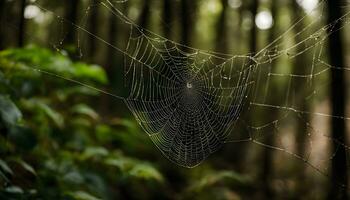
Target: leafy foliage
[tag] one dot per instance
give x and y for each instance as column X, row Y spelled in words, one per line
column 53, row 145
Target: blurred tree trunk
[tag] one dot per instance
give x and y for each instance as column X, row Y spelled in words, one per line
column 302, row 91
column 253, row 32
column 71, row 15
column 2, row 23
column 111, row 61
column 338, row 95
column 267, row 165
column 93, row 27
column 144, row 18
column 187, row 22
column 233, row 152
column 221, row 31
column 114, row 32
column 21, row 24
column 10, row 14
column 167, row 17
column 3, row 129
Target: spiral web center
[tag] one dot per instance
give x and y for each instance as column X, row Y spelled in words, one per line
column 189, row 85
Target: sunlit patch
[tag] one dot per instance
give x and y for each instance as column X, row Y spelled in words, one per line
column 308, row 5
column 213, row 7
column 35, row 13
column 31, row 12
column 235, row 3
column 264, row 20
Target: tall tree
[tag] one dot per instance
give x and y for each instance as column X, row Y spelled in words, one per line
column 253, row 32
column 93, row 24
column 232, row 152
column 144, row 18
column 116, row 33
column 71, row 16
column 267, row 165
column 302, row 91
column 167, row 18
column 21, row 25
column 221, row 31
column 112, row 59
column 187, row 21
column 338, row 100
column 2, row 21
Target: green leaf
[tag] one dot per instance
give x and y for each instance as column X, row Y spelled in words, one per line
column 147, row 172
column 64, row 93
column 124, row 164
column 10, row 114
column 5, row 167
column 36, row 104
column 81, row 195
column 74, row 177
column 94, row 152
column 92, row 72
column 213, row 178
column 26, row 166
column 54, row 115
column 14, row 189
column 85, row 110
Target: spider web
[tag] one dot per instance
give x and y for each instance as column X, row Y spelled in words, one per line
column 189, row 100
column 185, row 99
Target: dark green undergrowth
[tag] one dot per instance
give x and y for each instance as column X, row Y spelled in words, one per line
column 54, row 144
